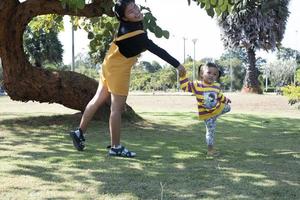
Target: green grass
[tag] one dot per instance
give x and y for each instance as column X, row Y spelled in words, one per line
column 260, row 157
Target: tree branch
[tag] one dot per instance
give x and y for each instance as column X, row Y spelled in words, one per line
column 95, row 9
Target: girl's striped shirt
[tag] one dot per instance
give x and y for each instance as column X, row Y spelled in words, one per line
column 209, row 97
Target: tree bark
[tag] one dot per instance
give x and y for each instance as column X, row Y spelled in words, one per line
column 251, row 83
column 24, row 82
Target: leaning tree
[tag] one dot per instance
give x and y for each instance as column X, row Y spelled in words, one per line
column 24, row 81
column 254, row 25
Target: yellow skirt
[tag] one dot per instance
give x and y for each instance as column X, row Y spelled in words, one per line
column 116, row 68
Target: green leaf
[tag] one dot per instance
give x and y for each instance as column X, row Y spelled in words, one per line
column 214, row 3
column 224, row 6
column 90, row 35
column 158, row 32
column 210, row 12
column 166, row 34
column 218, row 11
column 220, row 2
column 207, row 4
column 80, row 4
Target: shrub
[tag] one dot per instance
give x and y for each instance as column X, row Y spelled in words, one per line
column 293, row 93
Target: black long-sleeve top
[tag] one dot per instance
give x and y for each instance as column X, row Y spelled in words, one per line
column 135, row 45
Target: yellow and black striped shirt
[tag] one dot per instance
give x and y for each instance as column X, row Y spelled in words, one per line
column 209, row 97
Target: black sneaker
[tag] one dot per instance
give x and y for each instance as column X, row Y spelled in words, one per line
column 78, row 142
column 122, row 152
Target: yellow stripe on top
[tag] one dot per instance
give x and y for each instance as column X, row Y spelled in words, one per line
column 199, row 89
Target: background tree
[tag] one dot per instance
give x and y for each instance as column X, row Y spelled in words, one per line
column 156, row 66
column 234, row 60
column 282, row 71
column 85, row 65
column 288, row 53
column 213, row 7
column 42, row 47
column 148, row 76
column 285, row 53
column 291, row 54
column 151, row 67
column 254, row 25
column 101, row 31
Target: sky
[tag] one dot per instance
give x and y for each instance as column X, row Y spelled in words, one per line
column 189, row 22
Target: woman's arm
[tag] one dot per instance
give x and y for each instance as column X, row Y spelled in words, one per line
column 160, row 52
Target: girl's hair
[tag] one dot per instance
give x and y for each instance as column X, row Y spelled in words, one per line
column 209, row 64
column 119, row 8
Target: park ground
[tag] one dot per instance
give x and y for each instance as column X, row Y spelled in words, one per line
column 258, row 140
column 241, row 103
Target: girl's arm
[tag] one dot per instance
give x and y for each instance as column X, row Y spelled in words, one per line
column 186, row 85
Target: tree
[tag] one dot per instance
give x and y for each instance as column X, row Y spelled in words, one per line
column 101, row 31
column 84, row 65
column 213, row 7
column 156, row 66
column 254, row 25
column 42, row 47
column 234, row 60
column 25, row 82
column 288, row 53
column 151, row 67
column 281, row 71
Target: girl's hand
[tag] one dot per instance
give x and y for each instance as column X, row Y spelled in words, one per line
column 227, row 101
column 181, row 70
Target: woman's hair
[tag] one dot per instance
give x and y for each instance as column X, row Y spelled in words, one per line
column 119, row 8
column 209, row 64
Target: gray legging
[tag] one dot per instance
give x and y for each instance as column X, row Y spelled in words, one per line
column 211, row 125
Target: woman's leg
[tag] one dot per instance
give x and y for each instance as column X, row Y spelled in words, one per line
column 117, row 107
column 99, row 98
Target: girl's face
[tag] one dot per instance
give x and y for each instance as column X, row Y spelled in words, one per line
column 210, row 75
column 132, row 13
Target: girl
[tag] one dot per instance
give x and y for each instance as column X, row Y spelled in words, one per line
column 211, row 102
column 130, row 42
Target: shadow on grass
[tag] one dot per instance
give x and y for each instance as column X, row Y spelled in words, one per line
column 260, row 157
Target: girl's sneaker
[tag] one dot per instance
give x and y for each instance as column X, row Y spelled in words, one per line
column 121, row 151
column 213, row 153
column 78, row 139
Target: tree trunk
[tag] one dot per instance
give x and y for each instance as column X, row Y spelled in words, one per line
column 251, row 83
column 24, row 82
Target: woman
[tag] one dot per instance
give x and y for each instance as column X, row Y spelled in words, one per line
column 130, row 42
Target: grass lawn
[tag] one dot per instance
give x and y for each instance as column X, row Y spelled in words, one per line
column 260, row 157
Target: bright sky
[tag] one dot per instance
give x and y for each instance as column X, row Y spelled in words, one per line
column 191, row 22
